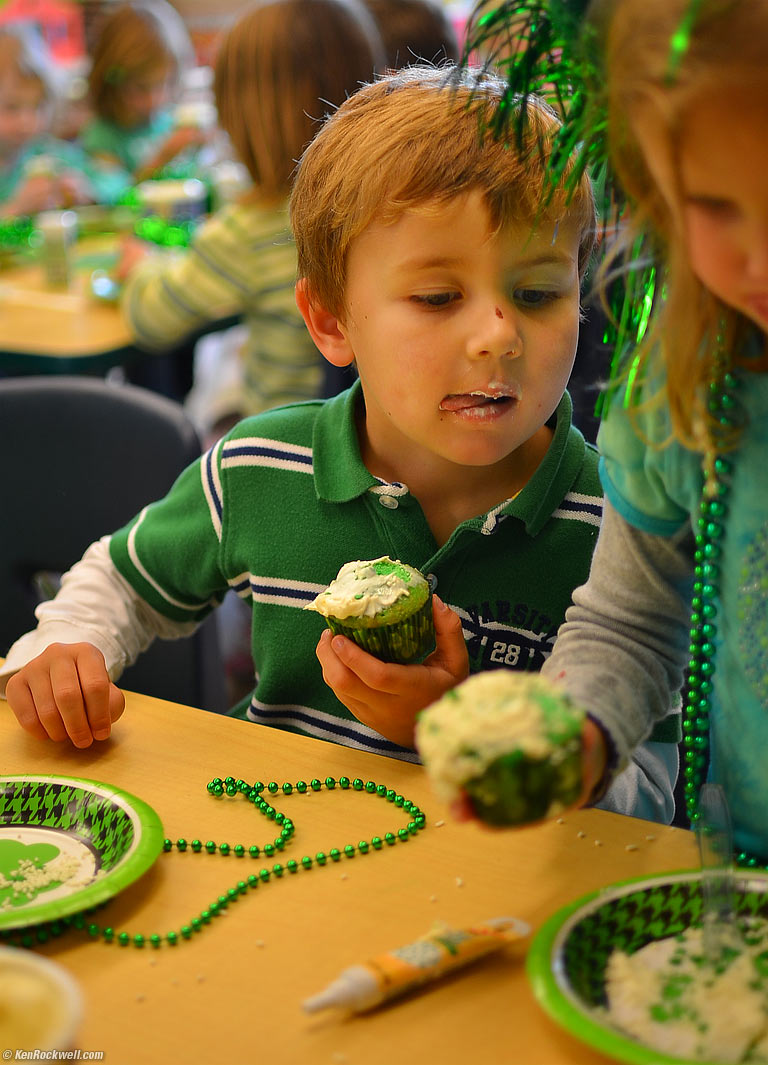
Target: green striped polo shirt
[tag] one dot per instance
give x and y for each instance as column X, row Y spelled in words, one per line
column 278, row 505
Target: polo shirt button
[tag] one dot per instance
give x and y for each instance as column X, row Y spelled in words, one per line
column 389, row 502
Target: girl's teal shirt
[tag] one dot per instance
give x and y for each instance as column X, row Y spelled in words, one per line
column 658, row 489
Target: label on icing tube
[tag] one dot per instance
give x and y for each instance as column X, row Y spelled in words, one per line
column 361, row 987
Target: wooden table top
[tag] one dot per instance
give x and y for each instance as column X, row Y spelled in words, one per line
column 234, row 992
column 64, row 325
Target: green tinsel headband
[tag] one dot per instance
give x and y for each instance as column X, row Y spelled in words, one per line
column 551, row 48
column 545, row 47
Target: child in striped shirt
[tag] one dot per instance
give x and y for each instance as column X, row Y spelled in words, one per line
column 425, row 259
column 271, row 90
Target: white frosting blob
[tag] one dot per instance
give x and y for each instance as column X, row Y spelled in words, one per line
column 359, row 591
column 712, row 1016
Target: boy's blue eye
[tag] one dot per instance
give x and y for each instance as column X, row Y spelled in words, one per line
column 436, row 299
column 534, row 297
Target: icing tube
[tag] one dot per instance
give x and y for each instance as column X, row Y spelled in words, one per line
column 361, row 987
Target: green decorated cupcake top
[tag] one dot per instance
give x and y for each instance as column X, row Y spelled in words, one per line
column 490, row 715
column 365, row 589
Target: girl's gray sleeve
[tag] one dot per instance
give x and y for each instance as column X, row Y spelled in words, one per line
column 622, row 649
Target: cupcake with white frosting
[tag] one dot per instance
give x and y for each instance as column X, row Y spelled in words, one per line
column 510, row 741
column 384, row 605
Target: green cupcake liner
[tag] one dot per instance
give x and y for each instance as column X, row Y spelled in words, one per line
column 408, row 640
column 515, row 789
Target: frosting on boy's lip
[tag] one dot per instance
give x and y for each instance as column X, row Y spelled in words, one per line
column 480, row 397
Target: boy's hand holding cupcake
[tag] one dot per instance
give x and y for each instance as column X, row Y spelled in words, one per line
column 377, row 652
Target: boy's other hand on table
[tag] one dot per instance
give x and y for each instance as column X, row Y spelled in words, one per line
column 388, row 696
column 66, row 693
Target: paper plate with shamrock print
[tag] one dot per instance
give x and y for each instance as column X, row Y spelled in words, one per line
column 567, row 960
column 68, row 844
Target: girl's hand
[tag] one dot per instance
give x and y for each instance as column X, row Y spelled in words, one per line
column 594, row 756
column 66, row 693
column 593, row 760
column 388, row 696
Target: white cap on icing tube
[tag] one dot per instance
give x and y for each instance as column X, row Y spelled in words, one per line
column 357, row 987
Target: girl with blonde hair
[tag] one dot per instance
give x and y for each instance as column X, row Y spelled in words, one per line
column 677, row 594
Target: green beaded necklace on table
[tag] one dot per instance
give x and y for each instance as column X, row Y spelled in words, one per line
column 252, row 793
column 725, row 408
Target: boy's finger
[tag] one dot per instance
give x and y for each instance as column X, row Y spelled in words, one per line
column 45, row 706
column 341, row 680
column 70, row 701
column 451, row 650
column 116, row 703
column 95, row 686
column 19, row 696
column 387, row 677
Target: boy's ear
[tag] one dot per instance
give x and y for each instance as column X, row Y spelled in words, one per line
column 325, row 328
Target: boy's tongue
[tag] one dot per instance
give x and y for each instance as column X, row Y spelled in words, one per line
column 467, row 400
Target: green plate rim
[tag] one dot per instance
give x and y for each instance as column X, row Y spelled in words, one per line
column 137, row 861
column 543, row 970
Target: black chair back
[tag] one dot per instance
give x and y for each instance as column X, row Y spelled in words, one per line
column 80, row 456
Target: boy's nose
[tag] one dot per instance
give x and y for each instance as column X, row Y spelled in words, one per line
column 497, row 334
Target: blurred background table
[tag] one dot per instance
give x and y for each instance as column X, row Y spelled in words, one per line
column 62, row 330
column 234, row 992
column 71, row 330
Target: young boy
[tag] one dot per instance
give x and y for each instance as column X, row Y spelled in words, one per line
column 420, row 261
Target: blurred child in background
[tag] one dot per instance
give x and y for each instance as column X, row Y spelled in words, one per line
column 414, row 31
column 37, row 171
column 279, row 69
column 141, row 51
